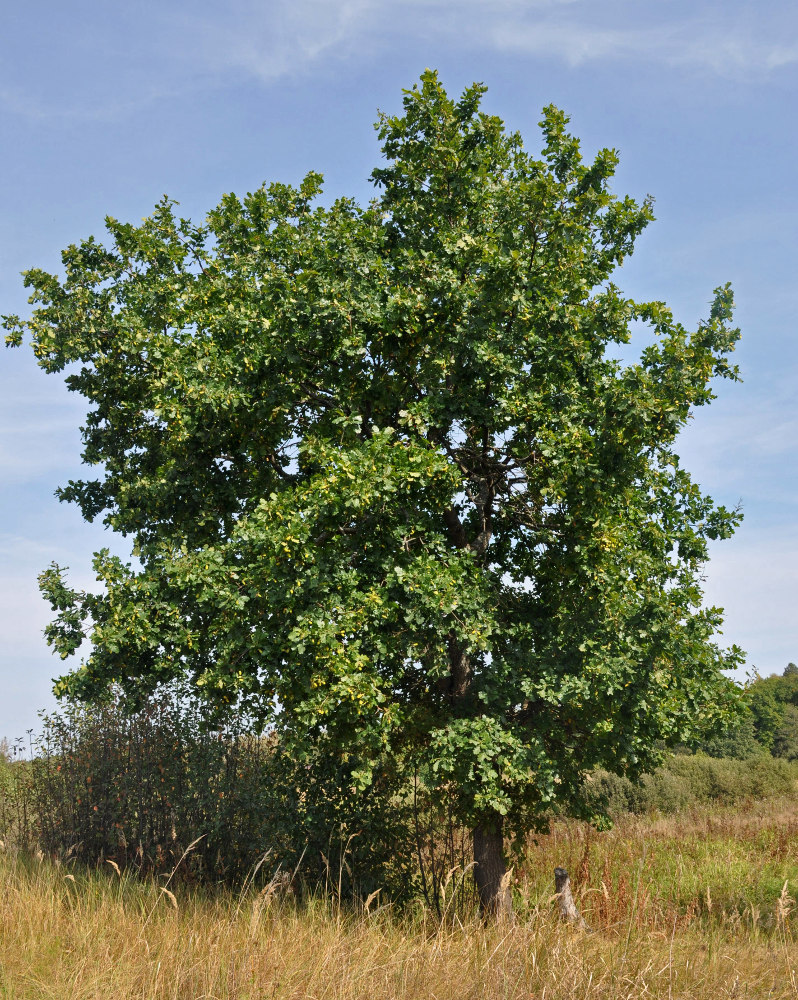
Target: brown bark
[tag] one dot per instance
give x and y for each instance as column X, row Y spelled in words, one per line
column 455, row 528
column 456, row 685
column 490, row 871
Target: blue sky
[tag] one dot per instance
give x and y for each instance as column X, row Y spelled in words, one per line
column 106, row 107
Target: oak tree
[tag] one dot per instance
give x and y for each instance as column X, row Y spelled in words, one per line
column 387, row 482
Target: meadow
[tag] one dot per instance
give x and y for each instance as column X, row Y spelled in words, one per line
column 696, row 904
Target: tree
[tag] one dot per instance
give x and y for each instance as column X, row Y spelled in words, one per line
column 385, row 481
column 773, row 704
column 785, row 738
column 767, row 709
column 739, row 742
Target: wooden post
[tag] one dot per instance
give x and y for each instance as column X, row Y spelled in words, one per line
column 565, row 899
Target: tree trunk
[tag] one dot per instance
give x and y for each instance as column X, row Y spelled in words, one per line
column 457, row 684
column 490, row 872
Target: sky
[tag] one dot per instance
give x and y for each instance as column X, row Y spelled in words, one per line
column 106, row 107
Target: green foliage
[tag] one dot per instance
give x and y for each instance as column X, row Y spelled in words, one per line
column 774, row 707
column 727, row 781
column 387, row 487
column 139, row 788
column 613, row 794
column 785, row 738
column 738, row 742
column 685, row 781
column 16, row 808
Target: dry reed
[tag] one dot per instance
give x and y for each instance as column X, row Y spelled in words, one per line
column 666, row 900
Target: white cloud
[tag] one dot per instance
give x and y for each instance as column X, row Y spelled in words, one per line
column 745, row 446
column 24, row 615
column 732, row 53
column 572, row 42
column 18, row 551
column 284, row 38
column 718, row 45
column 28, row 666
column 142, row 88
column 754, row 578
column 275, row 40
column 43, row 447
column 176, row 50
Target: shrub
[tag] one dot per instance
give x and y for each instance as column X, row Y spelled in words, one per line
column 686, row 780
column 665, row 792
column 612, row 794
column 138, row 789
column 16, row 814
column 707, row 779
column 739, row 743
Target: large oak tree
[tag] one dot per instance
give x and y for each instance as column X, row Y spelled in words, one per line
column 385, row 479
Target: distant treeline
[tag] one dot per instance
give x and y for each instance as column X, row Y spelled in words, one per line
column 138, row 789
column 769, row 722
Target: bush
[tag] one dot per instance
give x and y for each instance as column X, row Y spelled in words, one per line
column 785, row 737
column 706, row 779
column 664, row 792
column 740, row 743
column 16, row 814
column 612, row 794
column 138, row 789
column 686, row 780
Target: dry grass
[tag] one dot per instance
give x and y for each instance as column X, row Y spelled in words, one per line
column 690, row 906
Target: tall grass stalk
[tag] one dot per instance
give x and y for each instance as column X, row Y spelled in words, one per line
column 85, row 935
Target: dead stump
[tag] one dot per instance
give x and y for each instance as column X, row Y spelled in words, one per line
column 565, row 900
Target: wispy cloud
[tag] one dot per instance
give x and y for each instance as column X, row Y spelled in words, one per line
column 570, row 41
column 29, row 665
column 101, row 106
column 717, row 43
column 731, row 52
column 282, row 39
column 754, row 578
column 25, row 615
column 745, row 445
column 278, row 39
column 23, row 611
column 47, row 446
column 177, row 50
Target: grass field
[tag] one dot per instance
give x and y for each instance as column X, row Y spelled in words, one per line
column 694, row 905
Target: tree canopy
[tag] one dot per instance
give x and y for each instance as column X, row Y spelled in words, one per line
column 386, row 481
column 773, row 711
